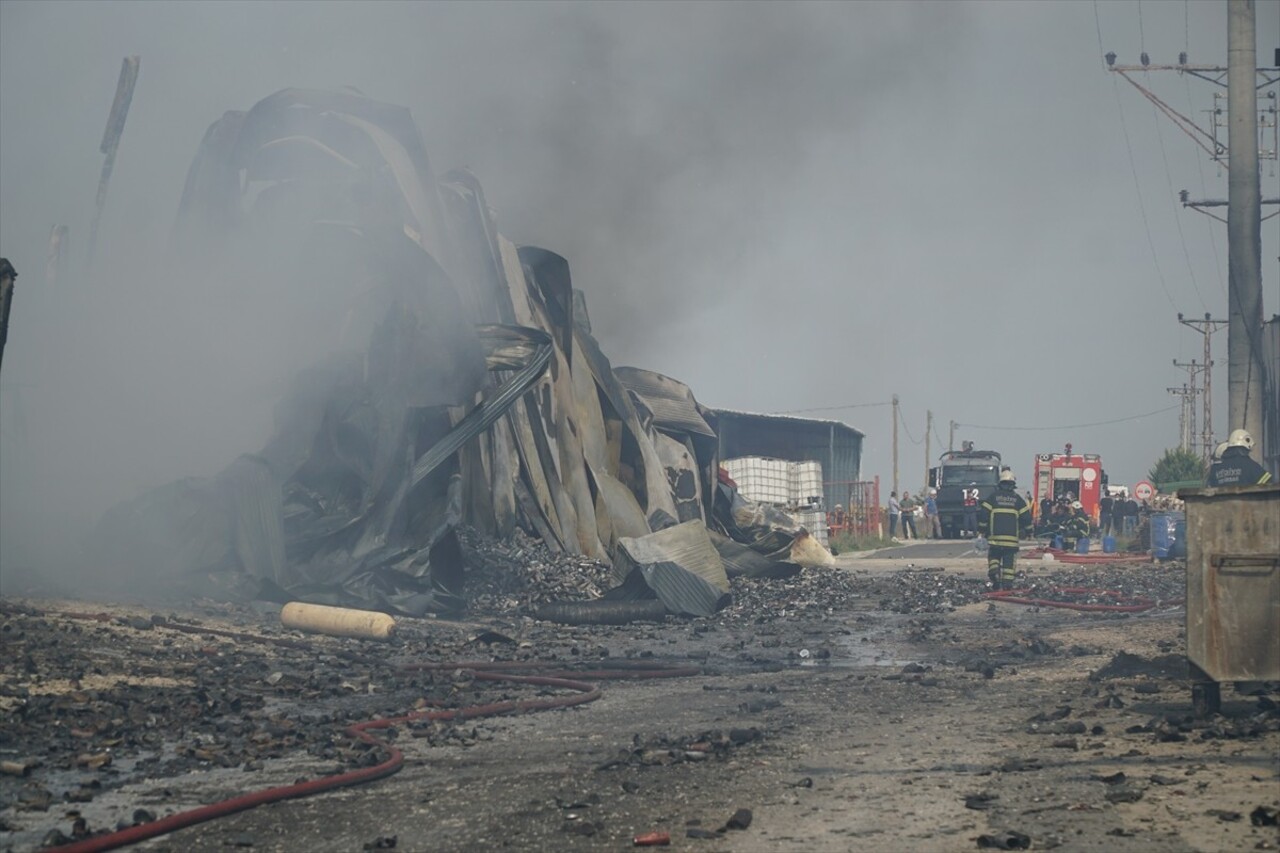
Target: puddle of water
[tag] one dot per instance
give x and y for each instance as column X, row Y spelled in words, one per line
column 850, row 651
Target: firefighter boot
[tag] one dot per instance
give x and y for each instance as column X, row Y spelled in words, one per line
column 993, row 574
column 1007, row 576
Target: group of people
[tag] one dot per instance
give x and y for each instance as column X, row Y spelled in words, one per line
column 1004, row 519
column 1066, row 518
column 1118, row 514
column 904, row 510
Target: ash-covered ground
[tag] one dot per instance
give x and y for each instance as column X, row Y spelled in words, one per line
column 877, row 705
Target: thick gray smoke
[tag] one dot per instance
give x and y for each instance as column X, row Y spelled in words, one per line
column 785, row 205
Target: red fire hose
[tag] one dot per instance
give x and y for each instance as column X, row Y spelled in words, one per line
column 482, row 671
column 1123, row 603
column 1072, row 557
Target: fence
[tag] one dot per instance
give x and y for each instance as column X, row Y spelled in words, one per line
column 860, row 513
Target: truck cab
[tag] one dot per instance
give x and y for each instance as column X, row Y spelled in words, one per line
column 961, row 473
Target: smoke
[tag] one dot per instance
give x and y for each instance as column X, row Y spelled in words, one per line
column 785, row 205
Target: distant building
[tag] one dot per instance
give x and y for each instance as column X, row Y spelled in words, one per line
column 833, row 444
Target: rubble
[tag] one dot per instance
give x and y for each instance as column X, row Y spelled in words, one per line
column 476, row 396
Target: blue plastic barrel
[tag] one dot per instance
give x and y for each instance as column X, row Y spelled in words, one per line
column 1160, row 535
column 1108, row 544
column 1082, row 546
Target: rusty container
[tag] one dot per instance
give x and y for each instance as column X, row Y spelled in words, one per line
column 1233, row 588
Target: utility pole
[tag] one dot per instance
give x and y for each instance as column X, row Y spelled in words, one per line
column 1186, row 416
column 928, row 427
column 1193, row 388
column 895, row 443
column 1244, row 231
column 951, row 438
column 1205, row 327
column 1249, row 388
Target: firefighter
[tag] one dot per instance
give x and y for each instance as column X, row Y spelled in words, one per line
column 970, row 510
column 1003, row 519
column 1075, row 526
column 1235, row 468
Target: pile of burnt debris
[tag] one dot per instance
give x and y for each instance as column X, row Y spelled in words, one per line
column 471, row 396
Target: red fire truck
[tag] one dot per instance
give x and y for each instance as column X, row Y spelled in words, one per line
column 1075, row 476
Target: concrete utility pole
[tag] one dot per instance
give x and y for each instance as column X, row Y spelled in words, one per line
column 1186, row 416
column 1249, row 386
column 895, row 443
column 1206, row 327
column 951, row 438
column 1244, row 212
column 1190, row 391
column 928, row 427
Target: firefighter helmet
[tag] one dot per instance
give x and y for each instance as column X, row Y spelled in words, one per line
column 1240, row 438
column 1006, row 475
column 1077, row 505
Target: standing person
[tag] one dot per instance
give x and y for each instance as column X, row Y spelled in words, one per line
column 1004, row 519
column 1235, row 468
column 908, row 505
column 895, row 510
column 1129, row 521
column 1104, row 514
column 971, row 510
column 931, row 519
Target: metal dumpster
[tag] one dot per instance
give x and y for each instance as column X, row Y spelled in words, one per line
column 1233, row 588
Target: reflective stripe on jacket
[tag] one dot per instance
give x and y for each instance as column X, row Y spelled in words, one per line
column 1004, row 518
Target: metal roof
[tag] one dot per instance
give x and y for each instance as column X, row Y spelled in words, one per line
column 788, row 418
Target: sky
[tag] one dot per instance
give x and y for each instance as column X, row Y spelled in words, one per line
column 790, row 207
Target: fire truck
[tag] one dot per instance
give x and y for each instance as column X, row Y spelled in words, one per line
column 1074, row 476
column 960, row 474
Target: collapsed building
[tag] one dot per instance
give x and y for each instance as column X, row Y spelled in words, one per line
column 475, row 398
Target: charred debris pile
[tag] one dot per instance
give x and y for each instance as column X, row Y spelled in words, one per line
column 474, row 435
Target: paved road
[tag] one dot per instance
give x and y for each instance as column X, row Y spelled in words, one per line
column 930, row 549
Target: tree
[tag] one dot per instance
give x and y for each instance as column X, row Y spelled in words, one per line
column 1177, row 466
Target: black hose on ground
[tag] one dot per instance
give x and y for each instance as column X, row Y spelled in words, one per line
column 601, row 612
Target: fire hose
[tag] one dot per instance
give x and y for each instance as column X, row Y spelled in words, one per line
column 1073, row 558
column 1122, row 602
column 481, row 670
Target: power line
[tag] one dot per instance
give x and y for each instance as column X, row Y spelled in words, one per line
column 1133, row 168
column 1097, row 25
column 835, row 408
column 1137, row 185
column 902, row 419
column 1204, row 191
column 1142, row 37
column 1177, row 220
column 1073, row 426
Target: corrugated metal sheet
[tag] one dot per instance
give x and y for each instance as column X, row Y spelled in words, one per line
column 671, row 402
column 681, row 565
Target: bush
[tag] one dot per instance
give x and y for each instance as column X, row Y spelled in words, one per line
column 1177, row 466
column 850, row 542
